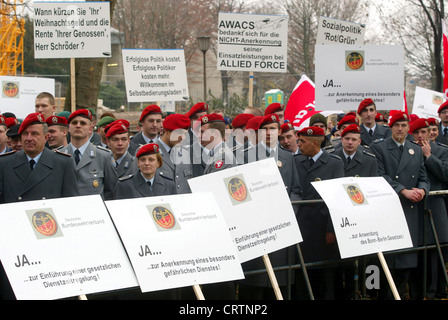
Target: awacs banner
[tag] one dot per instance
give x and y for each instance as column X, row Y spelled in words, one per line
column 301, row 106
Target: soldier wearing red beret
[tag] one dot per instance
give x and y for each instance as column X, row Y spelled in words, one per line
column 401, row 163
column 4, row 148
column 436, row 163
column 319, row 241
column 151, row 124
column 118, row 141
column 288, row 138
column 145, row 182
column 93, row 164
column 276, row 108
column 57, row 132
column 370, row 131
column 443, row 126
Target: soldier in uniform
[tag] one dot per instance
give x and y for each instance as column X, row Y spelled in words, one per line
column 175, row 130
column 401, row 163
column 194, row 145
column 258, row 286
column 370, row 130
column 57, row 132
column 117, row 138
column 276, row 108
column 358, row 162
column 443, row 125
column 145, row 182
column 218, row 156
column 435, row 155
column 433, row 130
column 100, row 130
column 319, row 240
column 94, row 170
column 151, row 122
column 4, row 148
column 240, row 136
column 288, row 138
column 34, row 173
column 45, row 104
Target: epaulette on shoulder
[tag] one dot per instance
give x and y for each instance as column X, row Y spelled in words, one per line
column 8, row 153
column 104, row 149
column 378, row 140
column 442, row 144
column 414, row 142
column 368, row 153
column 125, row 177
column 60, row 152
column 238, row 146
column 164, row 176
column 329, row 150
column 335, row 156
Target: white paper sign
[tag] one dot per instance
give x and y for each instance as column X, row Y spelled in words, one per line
column 19, row 94
column 367, row 215
column 252, row 42
column 427, row 103
column 62, row 248
column 176, row 241
column 334, row 31
column 346, row 75
column 255, row 205
column 155, row 75
column 72, row 30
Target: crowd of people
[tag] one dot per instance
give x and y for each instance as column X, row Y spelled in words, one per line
column 48, row 155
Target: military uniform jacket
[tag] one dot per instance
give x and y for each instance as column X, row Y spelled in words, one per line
column 135, row 186
column 53, row 177
column 167, row 168
column 223, row 158
column 127, row 166
column 363, row 163
column 406, row 172
column 95, row 172
column 183, row 169
column 381, row 132
column 314, row 220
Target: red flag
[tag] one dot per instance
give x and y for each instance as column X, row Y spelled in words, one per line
column 300, row 107
column 445, row 60
column 404, row 108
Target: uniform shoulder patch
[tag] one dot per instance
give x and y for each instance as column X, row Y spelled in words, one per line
column 8, row 153
column 442, row 144
column 335, row 156
column 368, row 153
column 103, row 148
column 378, row 140
column 63, row 153
column 125, row 177
column 164, row 176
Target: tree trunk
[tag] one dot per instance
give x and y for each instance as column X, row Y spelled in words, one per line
column 88, row 72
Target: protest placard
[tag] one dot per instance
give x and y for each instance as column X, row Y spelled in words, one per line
column 62, row 248
column 255, row 205
column 367, row 215
column 176, row 241
column 346, row 75
column 71, row 29
column 252, row 42
column 335, row 31
column 427, row 103
column 155, row 75
column 19, row 94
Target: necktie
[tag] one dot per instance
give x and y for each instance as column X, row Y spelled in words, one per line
column 311, row 162
column 401, row 149
column 348, row 160
column 445, row 132
column 32, row 163
column 149, row 184
column 77, row 153
column 371, row 132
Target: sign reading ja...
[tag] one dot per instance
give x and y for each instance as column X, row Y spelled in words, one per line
column 72, row 30
column 427, row 103
column 252, row 42
column 367, row 215
column 62, row 248
column 346, row 75
column 176, row 241
column 155, row 75
column 255, row 205
column 333, row 31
